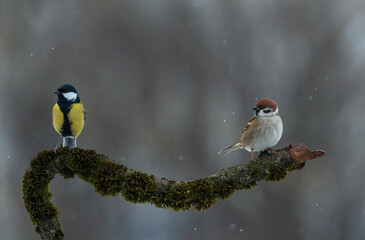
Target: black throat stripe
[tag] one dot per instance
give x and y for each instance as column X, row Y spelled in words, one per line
column 66, row 127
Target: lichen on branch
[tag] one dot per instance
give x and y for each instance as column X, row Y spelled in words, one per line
column 110, row 179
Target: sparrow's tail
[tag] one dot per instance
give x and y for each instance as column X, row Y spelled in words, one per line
column 69, row 141
column 234, row 147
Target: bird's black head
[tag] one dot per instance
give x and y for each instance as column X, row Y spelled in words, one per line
column 67, row 94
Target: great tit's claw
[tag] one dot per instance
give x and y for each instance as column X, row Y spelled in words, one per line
column 57, row 147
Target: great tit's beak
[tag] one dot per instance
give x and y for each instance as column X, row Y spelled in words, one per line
column 256, row 108
column 57, row 92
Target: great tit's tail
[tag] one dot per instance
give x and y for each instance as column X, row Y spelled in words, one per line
column 69, row 141
column 229, row 149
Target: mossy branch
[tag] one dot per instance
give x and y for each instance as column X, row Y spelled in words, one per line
column 110, row 179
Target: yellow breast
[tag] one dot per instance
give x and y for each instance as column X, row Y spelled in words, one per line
column 57, row 118
column 76, row 117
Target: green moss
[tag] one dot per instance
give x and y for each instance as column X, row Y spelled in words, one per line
column 276, row 174
column 277, row 168
column 226, row 189
column 66, row 172
column 254, row 169
column 53, row 233
column 107, row 179
column 36, row 193
column 138, row 187
column 249, row 185
column 176, row 197
column 287, row 148
column 290, row 166
column 203, row 194
column 198, row 194
column 83, row 162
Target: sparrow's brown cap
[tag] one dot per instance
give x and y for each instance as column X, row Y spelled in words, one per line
column 265, row 103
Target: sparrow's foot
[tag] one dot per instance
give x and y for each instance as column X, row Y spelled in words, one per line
column 264, row 152
column 267, row 151
column 271, row 150
column 255, row 159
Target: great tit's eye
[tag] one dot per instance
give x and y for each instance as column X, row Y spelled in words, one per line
column 267, row 111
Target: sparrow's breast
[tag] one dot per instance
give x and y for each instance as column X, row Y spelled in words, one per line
column 268, row 133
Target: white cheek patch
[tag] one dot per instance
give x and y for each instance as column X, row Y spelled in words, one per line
column 269, row 114
column 70, row 96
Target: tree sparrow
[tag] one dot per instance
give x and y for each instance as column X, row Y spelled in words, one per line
column 262, row 132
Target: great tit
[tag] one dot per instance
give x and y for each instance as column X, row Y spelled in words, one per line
column 68, row 115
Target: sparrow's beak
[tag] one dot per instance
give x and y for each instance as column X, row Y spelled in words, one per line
column 255, row 108
column 57, row 92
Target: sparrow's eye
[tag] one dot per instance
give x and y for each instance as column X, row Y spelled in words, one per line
column 267, row 111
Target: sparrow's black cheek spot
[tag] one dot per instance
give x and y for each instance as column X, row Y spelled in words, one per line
column 267, row 111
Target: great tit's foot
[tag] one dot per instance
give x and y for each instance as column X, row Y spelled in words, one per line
column 71, row 147
column 57, row 147
column 70, row 142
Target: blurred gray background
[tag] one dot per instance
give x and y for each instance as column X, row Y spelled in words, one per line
column 166, row 85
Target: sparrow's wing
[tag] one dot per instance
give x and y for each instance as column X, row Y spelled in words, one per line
column 240, row 143
column 250, row 132
column 252, row 120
